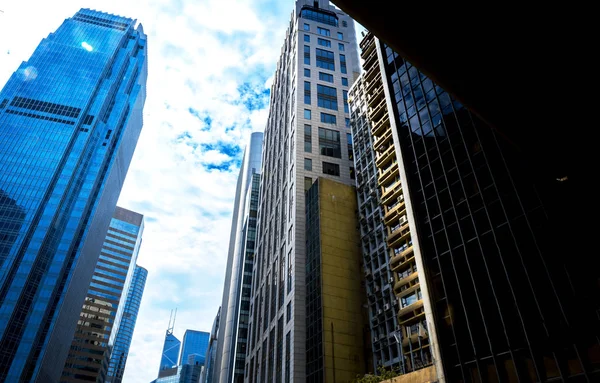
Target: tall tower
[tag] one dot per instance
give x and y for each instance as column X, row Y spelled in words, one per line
column 307, row 136
column 71, row 116
column 104, row 303
column 233, row 331
column 124, row 332
column 170, row 353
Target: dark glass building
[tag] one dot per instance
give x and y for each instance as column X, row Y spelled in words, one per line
column 124, row 334
column 103, row 306
column 194, row 347
column 503, row 293
column 70, row 116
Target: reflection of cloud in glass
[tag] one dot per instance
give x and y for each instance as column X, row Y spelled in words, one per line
column 29, row 73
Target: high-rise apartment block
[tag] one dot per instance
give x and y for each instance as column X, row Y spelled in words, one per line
column 105, row 300
column 124, row 332
column 70, row 116
column 481, row 295
column 235, row 309
column 307, row 137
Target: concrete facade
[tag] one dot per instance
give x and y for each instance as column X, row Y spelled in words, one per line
column 278, row 294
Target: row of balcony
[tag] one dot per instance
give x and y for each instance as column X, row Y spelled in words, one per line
column 388, row 194
column 383, row 141
column 401, row 258
column 380, row 125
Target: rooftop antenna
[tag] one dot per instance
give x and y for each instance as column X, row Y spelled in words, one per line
column 171, row 325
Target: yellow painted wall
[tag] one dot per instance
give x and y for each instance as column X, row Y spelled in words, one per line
column 341, row 290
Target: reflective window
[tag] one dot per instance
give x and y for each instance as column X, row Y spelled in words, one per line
column 340, row 35
column 327, row 97
column 307, row 38
column 341, row 47
column 323, row 31
column 331, row 169
column 324, row 43
column 320, row 16
column 344, row 81
column 307, row 114
column 328, row 118
column 325, row 59
column 306, row 27
column 308, row 164
column 325, row 77
column 329, row 143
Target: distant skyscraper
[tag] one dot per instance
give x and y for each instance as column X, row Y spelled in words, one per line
column 211, row 354
column 233, row 339
column 104, row 304
column 70, row 116
column 124, row 332
column 307, row 136
column 194, row 347
column 170, row 353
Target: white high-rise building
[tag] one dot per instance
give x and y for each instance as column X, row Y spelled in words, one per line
column 307, row 136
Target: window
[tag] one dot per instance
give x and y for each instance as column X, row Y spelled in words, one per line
column 345, row 95
column 352, row 175
column 349, row 143
column 342, row 63
column 340, row 35
column 344, row 81
column 331, row 169
column 327, row 97
column 325, row 59
column 320, row 16
column 307, row 183
column 288, row 316
column 340, row 46
column 307, row 114
column 347, row 122
column 324, row 43
column 307, row 92
column 326, row 77
column 306, row 27
column 323, row 31
column 308, row 164
column 410, row 299
column 307, row 38
column 329, row 143
column 307, row 72
column 327, row 118
column 344, row 23
column 307, row 55
column 307, row 138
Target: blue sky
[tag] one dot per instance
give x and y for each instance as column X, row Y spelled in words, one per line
column 210, row 68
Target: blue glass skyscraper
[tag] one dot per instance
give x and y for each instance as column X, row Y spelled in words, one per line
column 118, row 358
column 194, row 347
column 170, row 352
column 70, row 118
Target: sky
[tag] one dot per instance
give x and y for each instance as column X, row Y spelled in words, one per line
column 211, row 64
